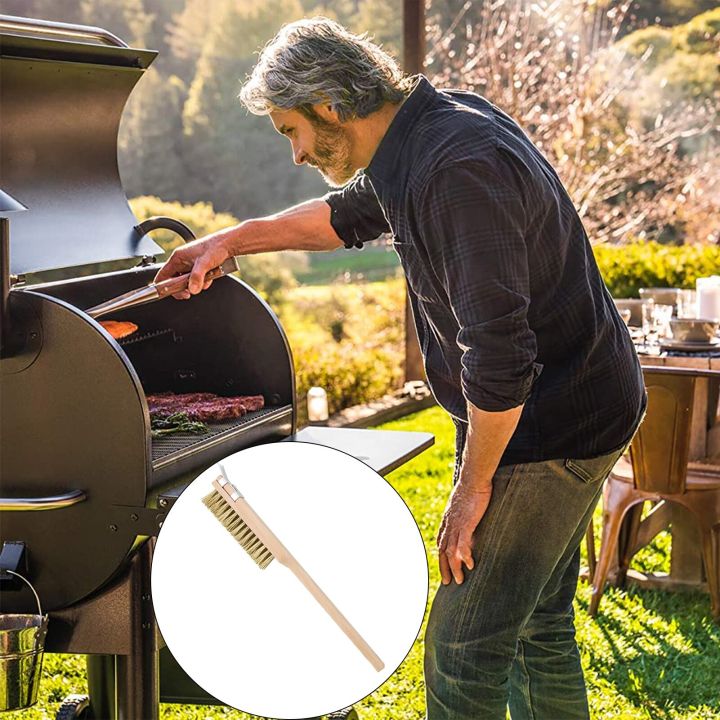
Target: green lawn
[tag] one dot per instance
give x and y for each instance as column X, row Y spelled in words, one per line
column 648, row 655
column 376, row 261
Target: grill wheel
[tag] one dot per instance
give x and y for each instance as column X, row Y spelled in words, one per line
column 74, row 707
column 346, row 714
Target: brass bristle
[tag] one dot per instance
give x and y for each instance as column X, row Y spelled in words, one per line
column 235, row 525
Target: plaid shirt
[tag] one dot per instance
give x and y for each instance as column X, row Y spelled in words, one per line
column 508, row 301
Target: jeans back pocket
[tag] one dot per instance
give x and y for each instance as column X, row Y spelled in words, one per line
column 593, row 469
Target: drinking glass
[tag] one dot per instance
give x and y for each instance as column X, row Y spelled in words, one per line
column 655, row 324
column 687, row 304
column 662, row 314
column 648, row 325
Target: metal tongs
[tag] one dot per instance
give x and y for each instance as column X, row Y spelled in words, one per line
column 158, row 291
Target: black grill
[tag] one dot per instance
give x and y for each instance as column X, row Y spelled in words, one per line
column 75, row 419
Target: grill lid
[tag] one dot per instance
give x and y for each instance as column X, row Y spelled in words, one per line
column 61, row 105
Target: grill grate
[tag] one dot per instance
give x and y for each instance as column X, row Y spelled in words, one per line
column 135, row 338
column 181, row 442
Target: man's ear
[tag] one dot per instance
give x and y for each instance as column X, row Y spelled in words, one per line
column 325, row 112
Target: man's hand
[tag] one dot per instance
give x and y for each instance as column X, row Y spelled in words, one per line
column 463, row 514
column 197, row 257
column 487, row 437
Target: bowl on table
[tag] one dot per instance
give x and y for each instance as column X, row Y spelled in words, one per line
column 701, row 330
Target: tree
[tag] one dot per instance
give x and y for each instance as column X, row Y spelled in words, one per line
column 150, row 138
column 163, row 12
column 126, row 18
column 340, row 10
column 666, row 12
column 383, row 21
column 679, row 64
column 187, row 34
column 559, row 73
column 235, row 158
column 68, row 11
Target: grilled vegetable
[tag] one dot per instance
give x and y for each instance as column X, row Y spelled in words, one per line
column 175, row 423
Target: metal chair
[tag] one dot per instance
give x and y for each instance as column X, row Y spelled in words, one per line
column 658, row 470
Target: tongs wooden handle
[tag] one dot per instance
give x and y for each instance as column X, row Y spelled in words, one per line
column 158, row 291
column 180, row 282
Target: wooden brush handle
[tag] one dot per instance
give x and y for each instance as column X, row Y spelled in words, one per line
column 271, row 541
column 330, row 608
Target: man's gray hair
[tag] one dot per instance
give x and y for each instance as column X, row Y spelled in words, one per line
column 318, row 61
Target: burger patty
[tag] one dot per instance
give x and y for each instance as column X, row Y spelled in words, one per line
column 204, row 407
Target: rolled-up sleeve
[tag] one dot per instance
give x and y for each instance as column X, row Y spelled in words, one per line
column 473, row 225
column 355, row 213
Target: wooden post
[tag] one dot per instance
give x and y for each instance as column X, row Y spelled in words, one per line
column 413, row 63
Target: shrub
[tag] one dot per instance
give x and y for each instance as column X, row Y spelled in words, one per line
column 658, row 38
column 627, row 268
column 365, row 313
column 686, row 75
column 200, row 217
column 701, row 34
column 348, row 339
column 350, row 376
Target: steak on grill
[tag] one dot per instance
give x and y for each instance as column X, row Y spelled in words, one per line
column 204, row 407
column 118, row 329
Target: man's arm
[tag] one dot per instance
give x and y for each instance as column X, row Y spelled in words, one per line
column 347, row 217
column 303, row 227
column 488, row 435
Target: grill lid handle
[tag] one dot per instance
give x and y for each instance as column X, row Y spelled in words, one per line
column 160, row 222
column 49, row 502
column 60, row 30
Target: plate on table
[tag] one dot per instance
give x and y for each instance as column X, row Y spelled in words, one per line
column 684, row 346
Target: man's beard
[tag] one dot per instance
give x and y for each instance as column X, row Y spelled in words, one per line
column 332, row 153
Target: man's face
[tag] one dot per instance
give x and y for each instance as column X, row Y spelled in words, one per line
column 322, row 143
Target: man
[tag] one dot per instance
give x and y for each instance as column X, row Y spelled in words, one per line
column 521, row 341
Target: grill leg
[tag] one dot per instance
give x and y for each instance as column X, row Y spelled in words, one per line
column 101, row 686
column 137, row 672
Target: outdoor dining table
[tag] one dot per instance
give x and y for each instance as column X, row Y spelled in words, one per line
column 686, row 567
column 705, row 432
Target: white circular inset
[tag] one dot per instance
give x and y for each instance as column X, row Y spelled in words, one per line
column 257, row 639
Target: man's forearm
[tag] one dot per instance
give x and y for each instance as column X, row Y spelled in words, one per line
column 302, row 227
column 487, row 437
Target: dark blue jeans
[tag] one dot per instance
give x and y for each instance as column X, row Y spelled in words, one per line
column 506, row 636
